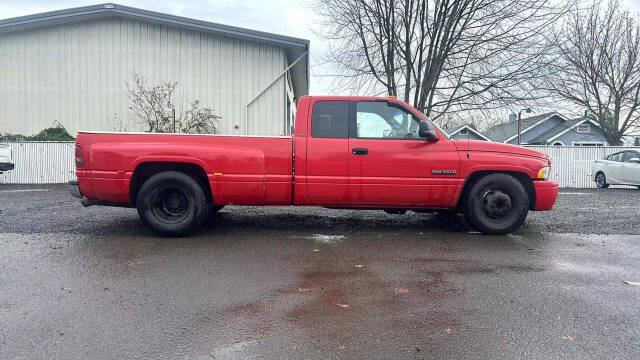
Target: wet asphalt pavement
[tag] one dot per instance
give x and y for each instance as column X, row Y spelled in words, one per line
column 296, row 283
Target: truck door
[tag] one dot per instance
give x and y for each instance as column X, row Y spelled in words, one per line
column 328, row 153
column 391, row 165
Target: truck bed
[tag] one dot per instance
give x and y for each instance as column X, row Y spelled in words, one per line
column 241, row 170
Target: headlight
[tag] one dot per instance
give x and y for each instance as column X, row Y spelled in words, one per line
column 543, row 174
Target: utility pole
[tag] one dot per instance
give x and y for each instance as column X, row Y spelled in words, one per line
column 173, row 113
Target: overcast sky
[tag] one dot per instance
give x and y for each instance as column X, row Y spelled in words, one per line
column 286, row 17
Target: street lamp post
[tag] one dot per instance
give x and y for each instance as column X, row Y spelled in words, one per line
column 528, row 111
column 173, row 113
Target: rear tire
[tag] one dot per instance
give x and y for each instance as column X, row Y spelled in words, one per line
column 497, row 204
column 601, row 180
column 172, row 203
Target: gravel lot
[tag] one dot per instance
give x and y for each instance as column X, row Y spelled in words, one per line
column 306, row 283
column 51, row 209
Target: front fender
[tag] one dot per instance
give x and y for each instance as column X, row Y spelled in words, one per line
column 479, row 161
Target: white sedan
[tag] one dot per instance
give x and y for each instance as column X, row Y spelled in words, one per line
column 6, row 158
column 621, row 168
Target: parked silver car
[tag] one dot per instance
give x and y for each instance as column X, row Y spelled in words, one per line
column 6, row 158
column 621, row 168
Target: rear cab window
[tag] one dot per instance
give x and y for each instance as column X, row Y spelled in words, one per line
column 329, row 119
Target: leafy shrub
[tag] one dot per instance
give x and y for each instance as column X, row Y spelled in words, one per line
column 55, row 133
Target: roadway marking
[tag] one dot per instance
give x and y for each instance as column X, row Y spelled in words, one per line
column 23, row 190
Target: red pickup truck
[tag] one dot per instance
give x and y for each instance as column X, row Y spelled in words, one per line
column 346, row 152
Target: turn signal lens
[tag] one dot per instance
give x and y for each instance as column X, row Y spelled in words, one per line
column 543, row 174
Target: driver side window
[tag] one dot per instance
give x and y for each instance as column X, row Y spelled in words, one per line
column 378, row 120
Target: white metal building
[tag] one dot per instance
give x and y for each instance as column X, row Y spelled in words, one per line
column 71, row 67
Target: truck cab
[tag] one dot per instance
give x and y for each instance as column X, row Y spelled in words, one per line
column 372, row 152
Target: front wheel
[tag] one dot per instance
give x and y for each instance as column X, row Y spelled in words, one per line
column 601, row 181
column 497, row 204
column 172, row 203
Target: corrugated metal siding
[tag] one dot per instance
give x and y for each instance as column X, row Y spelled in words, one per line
column 41, row 163
column 571, row 166
column 75, row 75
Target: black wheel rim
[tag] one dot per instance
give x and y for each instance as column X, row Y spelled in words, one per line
column 600, row 180
column 171, row 205
column 497, row 204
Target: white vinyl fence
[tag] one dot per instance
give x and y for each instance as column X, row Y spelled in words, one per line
column 571, row 166
column 52, row 162
column 41, row 163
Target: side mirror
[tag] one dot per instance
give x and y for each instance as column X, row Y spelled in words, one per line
column 635, row 160
column 427, row 132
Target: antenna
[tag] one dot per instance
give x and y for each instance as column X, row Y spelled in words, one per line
column 468, row 128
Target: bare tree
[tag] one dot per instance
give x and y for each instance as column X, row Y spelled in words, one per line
column 199, row 120
column 598, row 68
column 148, row 103
column 442, row 56
column 149, row 107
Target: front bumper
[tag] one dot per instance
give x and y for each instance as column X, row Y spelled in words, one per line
column 546, row 194
column 6, row 166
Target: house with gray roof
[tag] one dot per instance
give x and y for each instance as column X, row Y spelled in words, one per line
column 549, row 129
column 467, row 132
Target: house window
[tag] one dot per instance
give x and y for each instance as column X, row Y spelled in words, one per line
column 463, row 132
column 558, row 143
column 586, row 143
column 583, row 129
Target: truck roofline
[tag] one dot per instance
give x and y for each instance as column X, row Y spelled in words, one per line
column 183, row 134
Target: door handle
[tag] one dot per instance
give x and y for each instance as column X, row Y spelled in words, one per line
column 360, row 151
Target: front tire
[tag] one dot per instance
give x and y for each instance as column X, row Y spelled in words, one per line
column 601, row 180
column 172, row 203
column 497, row 204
